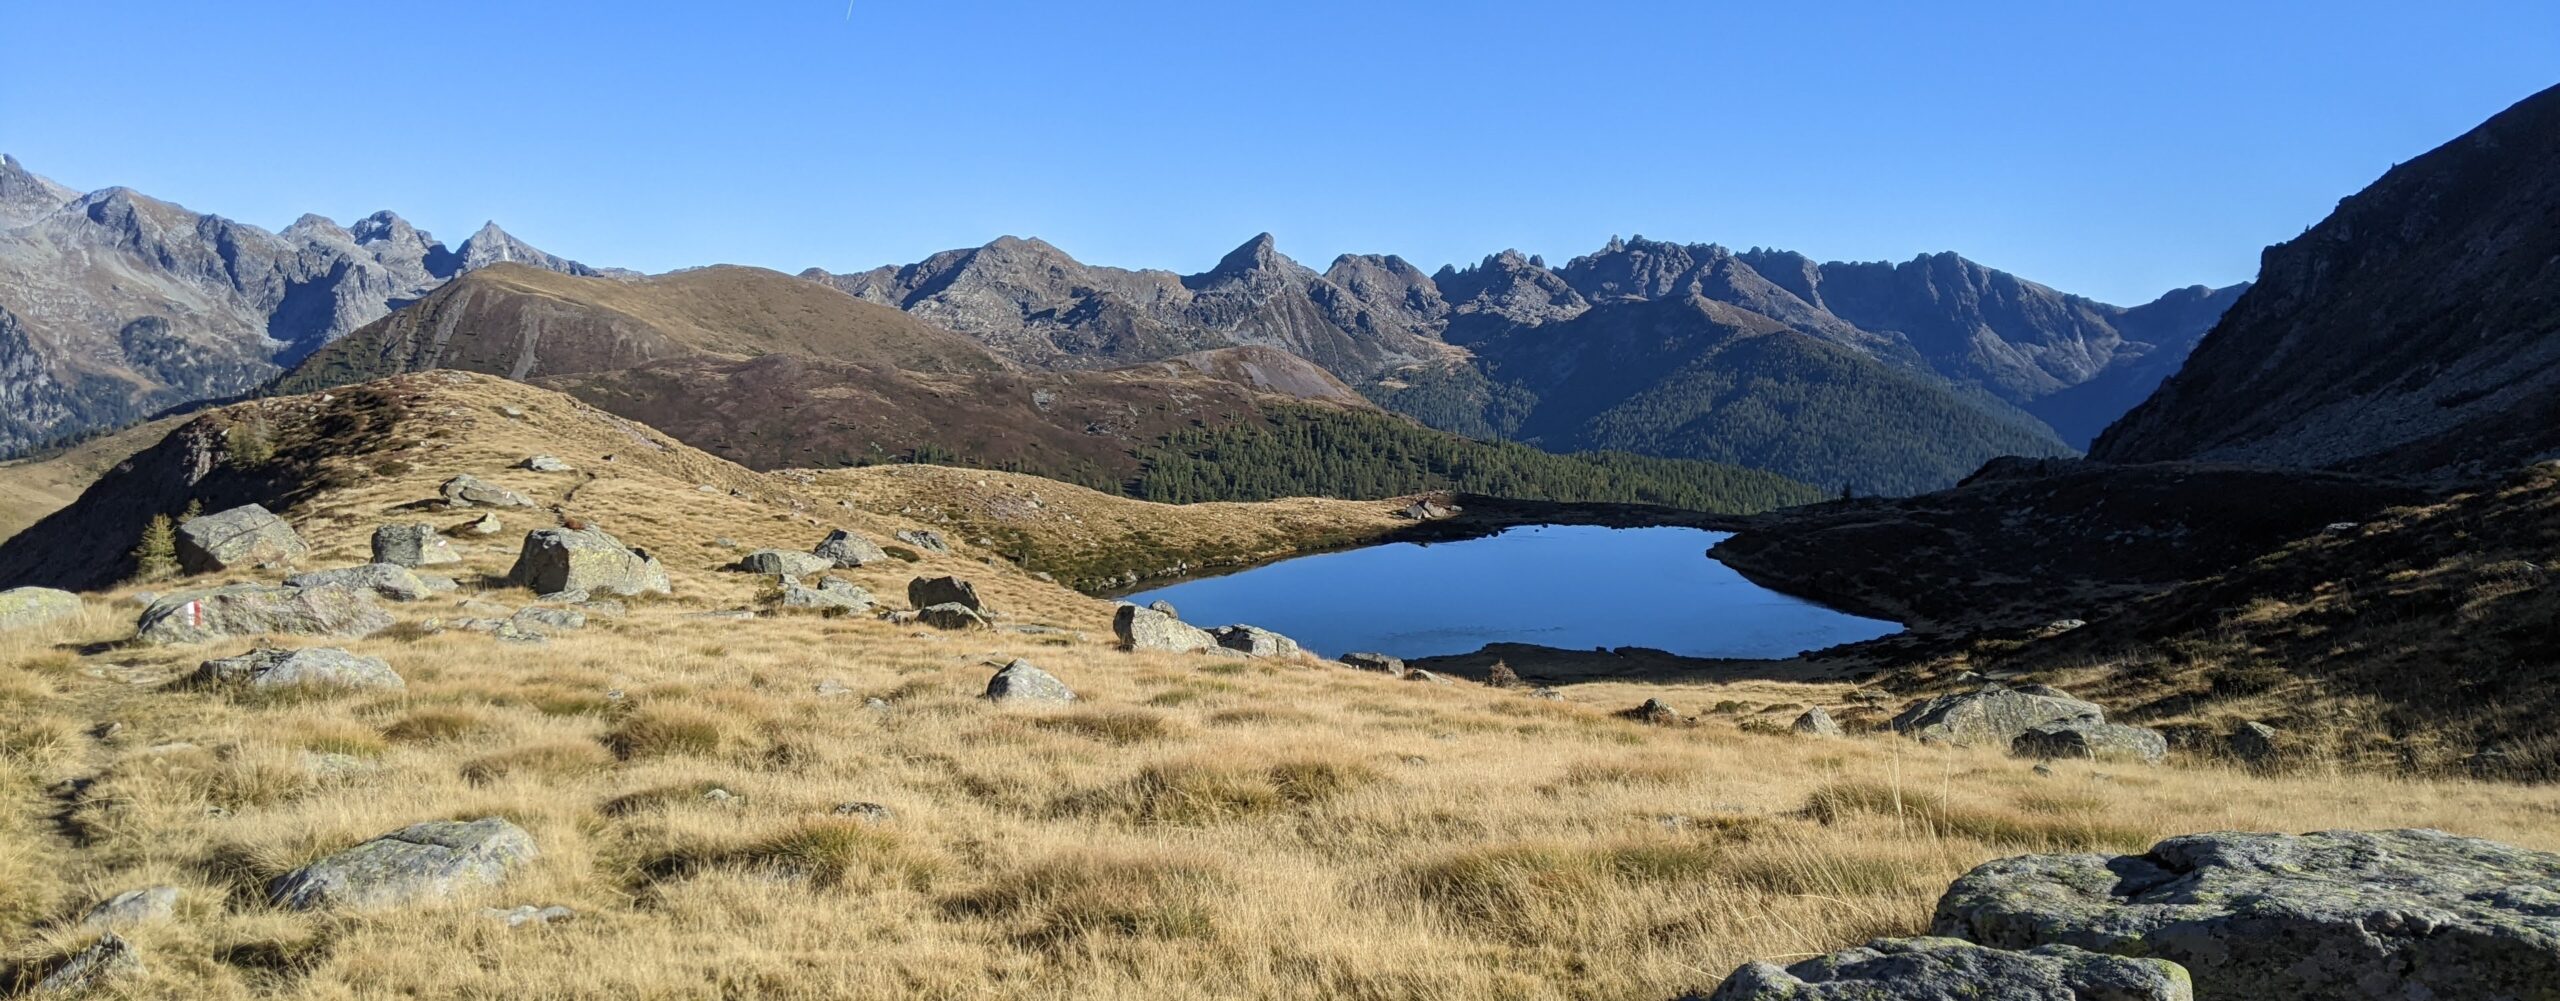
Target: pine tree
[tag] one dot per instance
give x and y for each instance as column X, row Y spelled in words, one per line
column 157, row 555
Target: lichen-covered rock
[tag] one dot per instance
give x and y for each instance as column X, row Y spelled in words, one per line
column 1379, row 662
column 1021, row 683
column 2103, row 741
column 924, row 592
column 104, row 961
column 313, row 667
column 1943, row 969
column 951, row 615
column 2346, row 915
column 28, row 607
column 244, row 536
column 586, row 559
column 1993, row 714
column 201, row 614
column 1148, row 629
column 467, row 490
column 1816, row 723
column 847, row 550
column 1255, row 641
column 387, row 580
column 783, row 561
column 412, row 545
column 415, row 864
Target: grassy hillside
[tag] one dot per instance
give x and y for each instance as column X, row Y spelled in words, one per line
column 1194, row 826
column 34, row 487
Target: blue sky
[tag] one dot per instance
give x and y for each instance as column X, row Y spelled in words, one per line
column 2111, row 149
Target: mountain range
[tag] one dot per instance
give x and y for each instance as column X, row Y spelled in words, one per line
column 114, row 305
column 1882, row 378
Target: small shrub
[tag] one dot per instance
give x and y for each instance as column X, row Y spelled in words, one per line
column 660, row 731
column 248, row 443
column 1065, row 901
column 433, row 724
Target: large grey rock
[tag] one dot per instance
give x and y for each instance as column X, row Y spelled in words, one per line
column 318, row 667
column 1379, row 662
column 1021, row 683
column 783, row 561
column 103, row 962
column 467, row 490
column 2255, row 743
column 1992, row 714
column 2079, row 739
column 2345, row 915
column 412, row 545
column 586, row 559
column 831, row 593
column 27, row 607
column 386, row 580
column 925, row 592
column 1255, row 641
column 244, row 536
column 420, row 863
column 951, row 615
column 197, row 615
column 1148, row 629
column 848, row 550
column 1945, row 969
column 1816, row 723
column 133, row 907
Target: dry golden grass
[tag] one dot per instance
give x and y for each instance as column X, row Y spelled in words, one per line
column 1194, row 827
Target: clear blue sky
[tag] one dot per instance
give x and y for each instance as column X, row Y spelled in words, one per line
column 2112, row 149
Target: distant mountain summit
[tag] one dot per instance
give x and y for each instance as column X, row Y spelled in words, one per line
column 2414, row 331
column 118, row 304
column 1949, row 363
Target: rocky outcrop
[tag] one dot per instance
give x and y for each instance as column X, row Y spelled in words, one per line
column 1379, row 662
column 2338, row 914
column 421, row 863
column 412, row 545
column 586, row 559
column 1021, row 683
column 194, row 616
column 831, row 594
column 28, row 607
column 925, row 539
column 1945, row 969
column 242, row 537
column 1149, row 630
column 317, row 667
column 96, row 967
column 1993, row 714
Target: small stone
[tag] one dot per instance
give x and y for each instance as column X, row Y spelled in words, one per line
column 547, row 464
column 1816, row 723
column 487, row 524
column 413, row 544
column 1379, row 662
column 1654, row 711
column 105, row 961
column 830, row 688
column 719, row 796
column 467, row 490
column 2255, row 743
column 927, row 540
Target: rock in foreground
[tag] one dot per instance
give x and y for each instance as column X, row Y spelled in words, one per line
column 2345, row 915
column 420, row 863
column 2103, row 741
column 847, row 550
column 259, row 609
column 784, row 561
column 1255, row 641
column 412, row 545
column 318, row 667
column 1942, row 969
column 556, row 560
column 28, row 607
column 1020, row 683
column 388, row 580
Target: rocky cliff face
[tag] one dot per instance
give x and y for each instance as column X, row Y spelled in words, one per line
column 2414, row 331
column 123, row 304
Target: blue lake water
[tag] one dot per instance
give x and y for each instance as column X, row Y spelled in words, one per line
column 1563, row 586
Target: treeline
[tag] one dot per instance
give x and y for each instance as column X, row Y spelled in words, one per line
column 1310, row 451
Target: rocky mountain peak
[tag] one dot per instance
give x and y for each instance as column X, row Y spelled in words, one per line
column 1262, row 253
column 387, row 226
column 25, row 195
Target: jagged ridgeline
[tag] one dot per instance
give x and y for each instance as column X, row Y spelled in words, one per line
column 773, row 372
